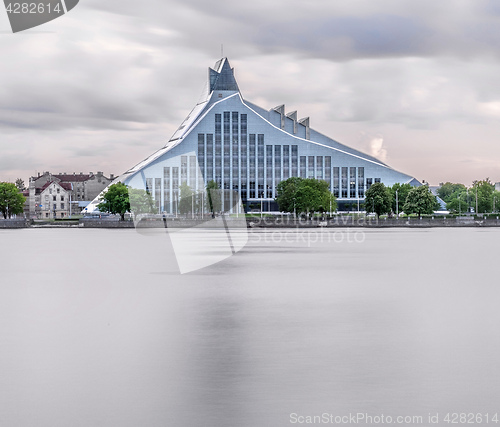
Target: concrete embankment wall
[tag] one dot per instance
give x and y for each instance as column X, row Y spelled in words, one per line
column 13, row 223
column 105, row 223
column 345, row 221
column 281, row 222
column 208, row 222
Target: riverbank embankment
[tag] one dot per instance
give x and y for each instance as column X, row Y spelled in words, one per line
column 338, row 221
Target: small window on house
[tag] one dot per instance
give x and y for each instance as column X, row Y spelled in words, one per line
column 53, row 198
column 62, row 198
column 62, row 205
column 58, row 190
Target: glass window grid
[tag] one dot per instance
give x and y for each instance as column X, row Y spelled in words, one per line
column 269, row 170
column 166, row 189
column 361, row 182
column 175, row 189
column 310, row 166
column 344, row 182
column 192, row 172
column 336, row 181
column 295, row 152
column 302, row 166
column 277, row 165
column 286, row 162
column 227, row 150
column 235, row 150
column 218, row 149
column 252, row 157
column 157, row 192
column 184, row 168
column 319, row 167
column 328, row 171
column 243, row 151
column 260, row 164
column 201, row 152
column 352, row 182
column 210, row 157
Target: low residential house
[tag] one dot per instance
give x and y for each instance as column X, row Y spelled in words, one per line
column 54, row 200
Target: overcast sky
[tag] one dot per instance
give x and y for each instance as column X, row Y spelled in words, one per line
column 412, row 83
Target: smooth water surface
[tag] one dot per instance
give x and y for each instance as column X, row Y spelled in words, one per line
column 98, row 328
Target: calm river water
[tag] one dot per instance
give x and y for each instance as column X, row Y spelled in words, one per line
column 98, row 328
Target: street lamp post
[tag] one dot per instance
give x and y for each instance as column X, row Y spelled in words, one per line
column 397, row 205
column 476, row 202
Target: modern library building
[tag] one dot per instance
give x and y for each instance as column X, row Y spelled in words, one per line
column 249, row 150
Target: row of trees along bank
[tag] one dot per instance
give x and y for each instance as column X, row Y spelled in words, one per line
column 307, row 196
column 481, row 197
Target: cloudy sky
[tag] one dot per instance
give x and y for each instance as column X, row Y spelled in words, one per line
column 101, row 88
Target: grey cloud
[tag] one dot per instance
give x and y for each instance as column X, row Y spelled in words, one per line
column 130, row 73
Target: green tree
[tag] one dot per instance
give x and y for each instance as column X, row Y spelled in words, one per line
column 458, row 202
column 20, row 184
column 378, row 199
column 450, row 191
column 11, row 200
column 186, row 199
column 115, row 200
column 141, row 202
column 302, row 195
column 286, row 194
column 398, row 201
column 214, row 199
column 420, row 201
column 482, row 195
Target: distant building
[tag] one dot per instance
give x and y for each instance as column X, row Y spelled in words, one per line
column 55, row 199
column 434, row 190
column 79, row 190
column 497, row 186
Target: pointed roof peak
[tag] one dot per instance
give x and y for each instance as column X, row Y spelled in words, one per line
column 222, row 76
column 220, row 64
